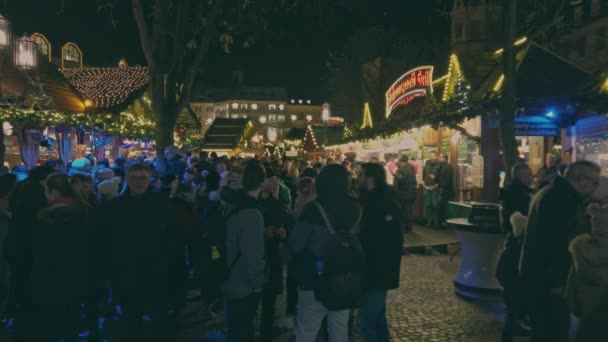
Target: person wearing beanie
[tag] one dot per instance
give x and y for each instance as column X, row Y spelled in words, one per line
column 103, row 174
column 80, row 166
column 588, row 278
column 108, row 189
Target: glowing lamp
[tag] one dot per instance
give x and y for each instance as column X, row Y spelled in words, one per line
column 88, row 103
column 5, row 32
column 25, row 55
column 550, row 114
column 326, row 112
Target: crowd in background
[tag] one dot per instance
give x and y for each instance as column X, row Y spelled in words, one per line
column 128, row 239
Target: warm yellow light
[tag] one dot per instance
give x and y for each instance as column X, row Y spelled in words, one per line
column 367, row 117
column 605, row 85
column 88, row 103
column 498, row 85
column 518, row 42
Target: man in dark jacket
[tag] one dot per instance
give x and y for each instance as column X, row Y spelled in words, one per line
column 548, row 172
column 446, row 187
column 554, row 217
column 514, row 198
column 431, row 189
column 382, row 242
column 140, row 247
column 405, row 182
column 245, row 251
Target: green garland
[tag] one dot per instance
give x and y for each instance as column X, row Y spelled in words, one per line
column 428, row 111
column 127, row 125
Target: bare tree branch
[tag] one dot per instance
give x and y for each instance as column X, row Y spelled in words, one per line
column 144, row 34
column 179, row 30
column 201, row 52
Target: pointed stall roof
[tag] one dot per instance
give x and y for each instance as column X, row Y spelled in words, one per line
column 226, row 134
column 106, row 89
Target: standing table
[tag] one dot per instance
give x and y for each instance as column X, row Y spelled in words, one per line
column 481, row 246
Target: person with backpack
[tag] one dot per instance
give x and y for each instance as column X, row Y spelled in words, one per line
column 245, row 257
column 329, row 258
column 382, row 243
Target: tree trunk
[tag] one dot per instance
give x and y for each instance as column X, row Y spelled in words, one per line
column 508, row 103
column 164, row 132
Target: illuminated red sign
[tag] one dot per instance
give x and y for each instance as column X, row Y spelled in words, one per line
column 411, row 85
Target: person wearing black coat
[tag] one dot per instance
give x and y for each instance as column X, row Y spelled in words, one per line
column 407, row 185
column 382, row 242
column 554, row 219
column 278, row 220
column 514, row 198
column 446, row 187
column 59, row 279
column 142, row 236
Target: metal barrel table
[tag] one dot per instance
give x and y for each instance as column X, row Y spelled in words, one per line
column 481, row 246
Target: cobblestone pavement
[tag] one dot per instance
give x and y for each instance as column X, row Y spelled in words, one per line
column 425, row 308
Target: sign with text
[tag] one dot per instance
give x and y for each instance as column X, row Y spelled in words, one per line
column 535, row 126
column 415, row 83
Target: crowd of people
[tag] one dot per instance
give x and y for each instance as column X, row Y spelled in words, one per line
column 94, row 239
column 127, row 240
column 555, row 262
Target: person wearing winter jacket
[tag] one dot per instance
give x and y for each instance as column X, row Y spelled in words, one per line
column 431, row 189
column 406, row 184
column 382, row 243
column 245, row 256
column 59, row 279
column 308, row 242
column 588, row 280
column 554, row 219
column 141, row 236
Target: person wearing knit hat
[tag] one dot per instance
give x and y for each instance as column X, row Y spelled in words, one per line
column 588, row 279
column 80, row 166
column 108, row 189
column 103, row 174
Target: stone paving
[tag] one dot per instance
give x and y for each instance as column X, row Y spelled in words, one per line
column 423, row 309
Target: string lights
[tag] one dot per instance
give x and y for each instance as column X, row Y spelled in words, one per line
column 310, row 139
column 367, row 117
column 454, row 73
column 127, row 125
column 107, row 88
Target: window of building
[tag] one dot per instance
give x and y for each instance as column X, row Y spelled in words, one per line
column 272, row 118
column 234, row 116
column 581, row 47
column 281, row 118
column 71, row 53
column 43, row 44
column 600, row 39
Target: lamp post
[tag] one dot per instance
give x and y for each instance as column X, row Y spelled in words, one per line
column 325, row 114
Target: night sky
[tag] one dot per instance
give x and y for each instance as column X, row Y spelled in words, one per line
column 293, row 55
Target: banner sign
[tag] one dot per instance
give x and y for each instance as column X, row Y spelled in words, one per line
column 415, row 83
column 535, row 126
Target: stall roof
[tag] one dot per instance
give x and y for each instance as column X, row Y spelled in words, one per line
column 335, row 134
column 108, row 88
column 541, row 74
column 225, row 134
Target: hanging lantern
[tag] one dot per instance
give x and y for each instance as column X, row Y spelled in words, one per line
column 5, row 32
column 25, row 55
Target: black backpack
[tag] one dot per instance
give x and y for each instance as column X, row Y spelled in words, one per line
column 340, row 276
